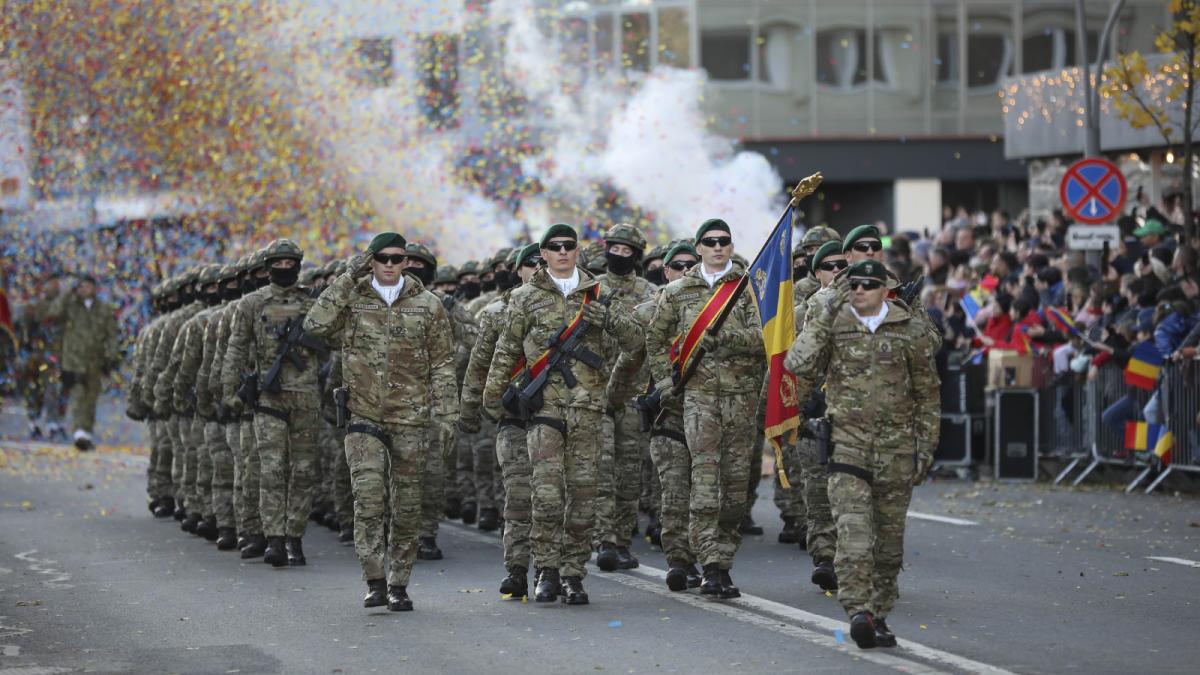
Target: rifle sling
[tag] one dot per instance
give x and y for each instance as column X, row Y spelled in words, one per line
column 552, row 422
column 508, row 421
column 370, row 430
column 273, row 412
column 856, row 471
column 672, row 434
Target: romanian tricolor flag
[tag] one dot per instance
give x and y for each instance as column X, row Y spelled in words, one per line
column 771, row 280
column 1062, row 321
column 1143, row 367
column 1148, row 437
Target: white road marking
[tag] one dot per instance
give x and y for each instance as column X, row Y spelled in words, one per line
column 44, row 566
column 941, row 519
column 817, row 629
column 1177, row 561
column 10, row 650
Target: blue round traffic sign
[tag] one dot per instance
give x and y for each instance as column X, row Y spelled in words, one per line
column 1093, row 191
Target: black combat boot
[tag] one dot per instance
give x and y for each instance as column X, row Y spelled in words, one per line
column 346, row 536
column 376, row 593
column 824, row 576
column 516, row 584
column 191, row 523
column 802, row 535
column 862, row 629
column 468, row 513
column 489, row 520
column 654, row 532
column 728, row 590
column 606, row 557
column 153, row 504
column 295, row 552
column 317, row 515
column 453, row 508
column 749, row 527
column 427, row 549
column 180, row 513
column 548, row 586
column 712, row 581
column 884, row 637
column 693, row 576
column 256, row 545
column 625, row 559
column 397, row 599
column 276, row 553
column 788, row 534
column 165, row 508
column 331, row 521
column 677, row 575
column 207, row 528
column 573, row 593
column 226, row 539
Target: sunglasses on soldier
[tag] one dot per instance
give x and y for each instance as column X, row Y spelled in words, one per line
column 867, row 246
column 681, row 265
column 865, row 284
column 833, row 266
column 716, row 242
column 531, row 262
column 389, row 258
column 559, row 246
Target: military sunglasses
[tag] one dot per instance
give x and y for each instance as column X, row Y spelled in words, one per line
column 560, row 246
column 716, row 242
column 868, row 246
column 865, row 284
column 531, row 262
column 389, row 258
column 833, row 266
column 681, row 265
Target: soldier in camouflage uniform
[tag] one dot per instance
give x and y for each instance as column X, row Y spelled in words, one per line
column 285, row 427
column 472, row 467
column 176, row 388
column 134, row 409
column 340, row 494
column 882, row 393
column 158, row 469
column 624, row 442
column 89, row 352
column 511, row 450
column 719, row 404
column 399, row 374
column 668, row 445
column 564, row 434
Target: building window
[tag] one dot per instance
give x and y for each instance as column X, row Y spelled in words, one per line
column 990, row 52
column 604, row 30
column 842, row 58
column 635, row 42
column 674, row 37
column 725, row 54
column 1043, row 51
column 375, row 61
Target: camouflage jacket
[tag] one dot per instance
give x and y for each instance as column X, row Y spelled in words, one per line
column 625, row 293
column 631, row 376
column 89, row 336
column 820, row 298
column 397, row 362
column 474, row 307
column 738, row 365
column 882, row 388
column 491, row 321
column 464, row 331
column 156, row 367
column 143, row 344
column 537, row 311
column 803, row 290
column 220, row 345
column 208, row 388
column 258, row 320
column 180, row 389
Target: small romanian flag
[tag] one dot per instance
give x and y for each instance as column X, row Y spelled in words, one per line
column 1143, row 367
column 1063, row 321
column 1148, row 437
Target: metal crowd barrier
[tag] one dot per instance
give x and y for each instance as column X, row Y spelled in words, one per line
column 1179, row 385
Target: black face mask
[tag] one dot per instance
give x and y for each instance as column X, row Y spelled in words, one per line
column 260, row 282
column 284, row 276
column 212, row 298
column 425, row 274
column 620, row 265
column 469, row 289
column 506, row 280
column 656, row 276
column 185, row 297
column 799, row 273
column 489, row 286
column 231, row 293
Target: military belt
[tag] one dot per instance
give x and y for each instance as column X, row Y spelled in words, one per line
column 371, row 430
column 273, row 412
column 669, row 433
column 507, row 421
column 552, row 422
column 856, row 471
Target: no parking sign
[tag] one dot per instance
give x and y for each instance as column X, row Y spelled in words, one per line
column 1093, row 191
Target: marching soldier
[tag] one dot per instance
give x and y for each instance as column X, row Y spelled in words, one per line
column 882, row 393
column 720, row 403
column 564, row 397
column 624, row 441
column 398, row 371
column 134, row 408
column 269, row 352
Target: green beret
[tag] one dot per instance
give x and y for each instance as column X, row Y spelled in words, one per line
column 656, row 252
column 712, row 224
column 868, row 269
column 558, row 230
column 860, row 232
column 386, row 240
column 530, row 251
column 827, row 249
column 682, row 247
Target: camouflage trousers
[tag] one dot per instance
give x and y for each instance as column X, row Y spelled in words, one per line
column 82, row 397
column 720, row 430
column 433, row 477
column 651, row 496
column 202, row 485
column 327, row 450
column 387, row 497
column 813, row 480
column 620, row 472
column 564, row 448
column 870, row 528
column 673, row 463
column 158, row 482
column 343, row 495
column 181, row 439
column 251, row 518
column 287, row 452
column 790, row 501
column 513, row 454
column 192, row 429
column 476, row 462
column 233, row 440
column 220, row 460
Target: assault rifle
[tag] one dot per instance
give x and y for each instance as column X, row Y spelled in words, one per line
column 290, row 334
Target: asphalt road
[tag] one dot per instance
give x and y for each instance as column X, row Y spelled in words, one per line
column 1000, row 578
